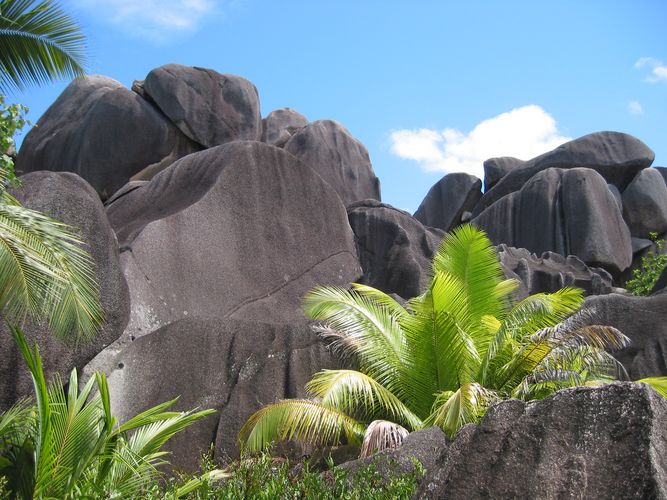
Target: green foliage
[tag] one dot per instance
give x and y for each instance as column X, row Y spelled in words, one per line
column 68, row 445
column 264, row 477
column 12, row 120
column 653, row 263
column 39, row 43
column 441, row 360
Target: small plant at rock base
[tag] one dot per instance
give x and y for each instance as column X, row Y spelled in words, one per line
column 653, row 263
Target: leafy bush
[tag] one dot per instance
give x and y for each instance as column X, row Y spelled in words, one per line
column 653, row 263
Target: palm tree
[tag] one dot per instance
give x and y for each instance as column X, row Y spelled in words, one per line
column 70, row 446
column 440, row 360
column 38, row 43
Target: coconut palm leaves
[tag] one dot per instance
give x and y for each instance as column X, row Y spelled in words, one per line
column 443, row 359
column 69, row 445
column 45, row 272
column 38, row 43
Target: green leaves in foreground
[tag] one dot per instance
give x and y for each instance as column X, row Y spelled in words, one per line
column 69, row 445
column 443, row 359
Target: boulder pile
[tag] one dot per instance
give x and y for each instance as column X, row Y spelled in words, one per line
column 208, row 223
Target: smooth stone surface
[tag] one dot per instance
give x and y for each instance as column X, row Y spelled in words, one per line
column 645, row 204
column 103, row 132
column 497, row 168
column 340, row 159
column 208, row 107
column 242, row 230
column 394, row 248
column 565, row 211
column 280, row 125
column 607, row 442
column 616, row 156
column 448, row 199
column 68, row 198
column 234, row 367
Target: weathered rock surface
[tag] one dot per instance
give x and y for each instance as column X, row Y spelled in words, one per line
column 644, row 321
column 645, row 204
column 552, row 271
column 497, row 168
column 68, row 198
column 448, row 199
column 208, row 107
column 103, row 132
column 661, row 282
column 235, row 367
column 569, row 212
column 341, row 160
column 616, row 156
column 242, row 230
column 280, row 125
column 394, row 248
column 608, row 442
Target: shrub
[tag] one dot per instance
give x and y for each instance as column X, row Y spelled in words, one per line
column 653, row 263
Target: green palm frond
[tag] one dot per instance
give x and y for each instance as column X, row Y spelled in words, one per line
column 355, row 393
column 382, row 435
column 38, row 43
column 659, row 384
column 363, row 327
column 454, row 409
column 45, row 272
column 298, row 419
column 14, row 421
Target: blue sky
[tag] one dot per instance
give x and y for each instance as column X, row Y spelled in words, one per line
column 427, row 86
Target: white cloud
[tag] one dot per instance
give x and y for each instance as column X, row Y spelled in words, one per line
column 635, row 108
column 155, row 20
column 658, row 69
column 523, row 133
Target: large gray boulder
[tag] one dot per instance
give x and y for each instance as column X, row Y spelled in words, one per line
column 497, row 168
column 340, row 159
column 234, row 367
column 208, row 107
column 448, row 199
column 395, row 249
column 645, row 204
column 644, row 321
column 242, row 230
column 616, row 156
column 607, row 442
column 551, row 272
column 566, row 211
column 68, row 198
column 280, row 125
column 104, row 132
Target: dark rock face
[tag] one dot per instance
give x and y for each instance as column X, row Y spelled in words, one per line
column 607, row 442
column 645, row 204
column 235, row 367
column 341, row 160
column 617, row 157
column 569, row 212
column 395, row 249
column 551, row 272
column 497, row 168
column 242, row 230
column 208, row 107
column 661, row 283
column 68, row 198
column 448, row 199
column 104, row 132
column 644, row 321
column 281, row 125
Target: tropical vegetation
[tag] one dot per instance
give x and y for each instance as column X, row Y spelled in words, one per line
column 39, row 43
column 442, row 358
column 68, row 444
column 653, row 264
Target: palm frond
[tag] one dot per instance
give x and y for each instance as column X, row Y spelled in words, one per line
column 454, row 409
column 301, row 420
column 38, row 43
column 659, row 384
column 382, row 435
column 15, row 420
column 355, row 393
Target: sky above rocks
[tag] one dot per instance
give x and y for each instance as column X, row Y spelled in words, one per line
column 429, row 87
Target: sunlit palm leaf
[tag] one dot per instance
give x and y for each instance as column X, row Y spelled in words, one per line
column 298, row 419
column 355, row 393
column 382, row 435
column 659, row 384
column 38, row 43
column 454, row 409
